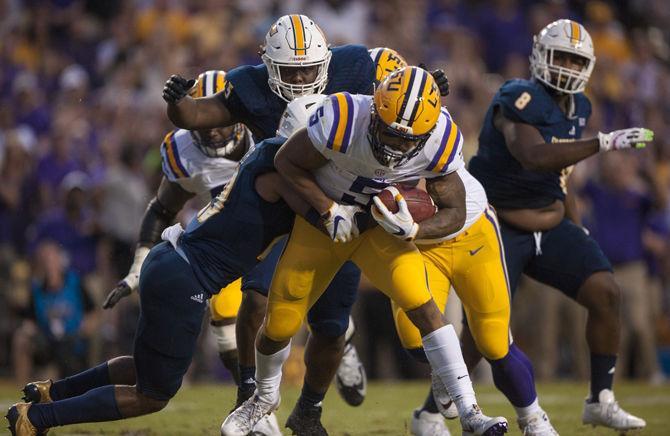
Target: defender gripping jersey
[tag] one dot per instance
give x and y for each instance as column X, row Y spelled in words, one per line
column 250, row 100
column 508, row 185
column 217, row 254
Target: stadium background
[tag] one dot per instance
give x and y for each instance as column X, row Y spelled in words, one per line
column 81, row 119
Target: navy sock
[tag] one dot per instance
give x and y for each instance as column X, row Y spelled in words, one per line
column 247, row 377
column 429, row 405
column 309, row 398
column 96, row 405
column 513, row 379
column 80, row 383
column 602, row 373
column 417, row 354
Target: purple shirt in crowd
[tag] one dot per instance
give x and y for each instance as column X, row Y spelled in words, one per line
column 616, row 221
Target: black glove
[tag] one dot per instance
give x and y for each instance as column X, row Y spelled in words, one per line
column 120, row 291
column 440, row 78
column 176, row 88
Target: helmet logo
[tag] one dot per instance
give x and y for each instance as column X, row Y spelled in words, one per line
column 574, row 34
column 273, row 30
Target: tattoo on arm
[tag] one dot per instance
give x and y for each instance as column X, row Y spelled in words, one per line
column 448, row 193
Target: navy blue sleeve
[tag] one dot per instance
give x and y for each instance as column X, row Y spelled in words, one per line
column 523, row 103
column 231, row 99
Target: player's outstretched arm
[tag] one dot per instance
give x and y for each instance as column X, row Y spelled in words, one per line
column 529, row 148
column 160, row 212
column 448, row 193
column 194, row 113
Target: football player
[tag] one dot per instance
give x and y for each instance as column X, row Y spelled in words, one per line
column 198, row 163
column 173, row 300
column 529, row 142
column 351, row 150
column 296, row 61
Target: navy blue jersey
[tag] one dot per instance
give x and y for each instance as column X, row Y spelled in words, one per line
column 508, row 185
column 224, row 240
column 249, row 99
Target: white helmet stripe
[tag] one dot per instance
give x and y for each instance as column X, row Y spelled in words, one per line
column 413, row 98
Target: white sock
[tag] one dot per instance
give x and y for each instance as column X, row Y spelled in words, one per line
column 225, row 337
column 268, row 373
column 443, row 351
column 532, row 409
column 351, row 328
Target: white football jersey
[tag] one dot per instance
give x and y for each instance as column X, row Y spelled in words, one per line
column 185, row 164
column 338, row 129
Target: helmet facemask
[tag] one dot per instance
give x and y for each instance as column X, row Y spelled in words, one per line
column 221, row 142
column 385, row 154
column 288, row 91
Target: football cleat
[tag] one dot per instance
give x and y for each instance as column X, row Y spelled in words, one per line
column 242, row 420
column 607, row 413
column 443, row 401
column 350, row 378
column 425, row 423
column 19, row 423
column 306, row 422
column 537, row 424
column 267, row 426
column 475, row 423
column 38, row 392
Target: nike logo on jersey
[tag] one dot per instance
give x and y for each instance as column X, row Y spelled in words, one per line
column 475, row 251
column 199, row 298
column 336, row 223
column 611, row 371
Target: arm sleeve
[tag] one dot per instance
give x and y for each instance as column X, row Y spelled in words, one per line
column 232, row 101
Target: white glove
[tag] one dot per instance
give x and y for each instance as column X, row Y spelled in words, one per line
column 399, row 224
column 635, row 137
column 339, row 222
column 130, row 283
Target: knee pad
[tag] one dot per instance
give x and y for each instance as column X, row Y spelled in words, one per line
column 282, row 323
column 227, row 302
column 331, row 328
column 491, row 337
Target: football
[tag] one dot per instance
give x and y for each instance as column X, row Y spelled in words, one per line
column 420, row 205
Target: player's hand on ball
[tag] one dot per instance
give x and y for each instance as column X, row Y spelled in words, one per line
column 176, row 88
column 120, row 291
column 635, row 137
column 399, row 224
column 340, row 222
column 441, row 79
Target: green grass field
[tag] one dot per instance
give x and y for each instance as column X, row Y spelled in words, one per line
column 199, row 410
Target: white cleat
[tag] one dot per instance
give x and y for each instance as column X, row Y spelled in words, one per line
column 243, row 420
column 425, row 423
column 537, row 424
column 608, row 414
column 267, row 426
column 350, row 378
column 475, row 423
column 444, row 403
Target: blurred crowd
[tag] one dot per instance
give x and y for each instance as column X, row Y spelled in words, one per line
column 81, row 119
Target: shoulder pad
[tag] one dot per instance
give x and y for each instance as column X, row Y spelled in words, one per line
column 351, row 69
column 445, row 146
column 330, row 126
column 524, row 101
column 173, row 166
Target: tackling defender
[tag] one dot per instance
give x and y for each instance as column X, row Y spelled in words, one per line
column 529, row 142
column 349, row 153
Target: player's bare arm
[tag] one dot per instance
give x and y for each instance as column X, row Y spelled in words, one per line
column 529, row 148
column 448, row 193
column 194, row 113
column 294, row 161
